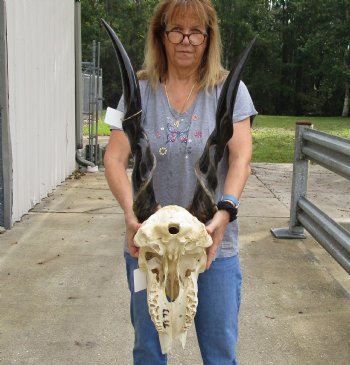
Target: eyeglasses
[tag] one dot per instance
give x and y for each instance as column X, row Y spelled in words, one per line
column 176, row 37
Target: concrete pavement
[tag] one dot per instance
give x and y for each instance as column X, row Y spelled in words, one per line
column 64, row 299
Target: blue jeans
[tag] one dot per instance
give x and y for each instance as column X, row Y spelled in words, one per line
column 216, row 319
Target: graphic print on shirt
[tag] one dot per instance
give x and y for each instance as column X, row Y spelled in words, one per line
column 178, row 131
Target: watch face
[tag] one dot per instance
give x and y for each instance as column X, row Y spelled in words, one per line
column 230, row 199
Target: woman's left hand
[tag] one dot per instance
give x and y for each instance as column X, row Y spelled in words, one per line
column 216, row 228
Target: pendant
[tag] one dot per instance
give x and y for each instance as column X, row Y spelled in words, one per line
column 177, row 123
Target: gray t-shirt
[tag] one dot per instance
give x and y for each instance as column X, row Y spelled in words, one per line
column 178, row 139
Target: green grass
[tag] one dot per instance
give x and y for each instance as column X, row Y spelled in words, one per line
column 103, row 129
column 273, row 136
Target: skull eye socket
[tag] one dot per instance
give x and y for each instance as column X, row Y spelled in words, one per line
column 174, row 228
column 188, row 272
column 156, row 271
column 150, row 255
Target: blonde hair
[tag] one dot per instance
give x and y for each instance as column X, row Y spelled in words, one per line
column 155, row 65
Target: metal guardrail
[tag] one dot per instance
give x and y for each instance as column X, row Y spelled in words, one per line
column 333, row 153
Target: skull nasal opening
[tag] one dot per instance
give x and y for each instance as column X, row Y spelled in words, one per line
column 173, row 228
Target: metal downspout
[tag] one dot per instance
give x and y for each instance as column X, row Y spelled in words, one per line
column 78, row 89
column 6, row 182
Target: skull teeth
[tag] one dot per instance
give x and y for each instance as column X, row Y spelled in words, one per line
column 191, row 307
column 153, row 307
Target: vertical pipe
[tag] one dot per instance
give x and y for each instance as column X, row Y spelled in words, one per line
column 91, row 107
column 89, row 113
column 5, row 135
column 78, row 81
column 93, row 102
column 78, row 88
column 300, row 177
column 97, row 101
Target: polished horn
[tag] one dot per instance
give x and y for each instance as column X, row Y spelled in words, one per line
column 145, row 203
column 203, row 205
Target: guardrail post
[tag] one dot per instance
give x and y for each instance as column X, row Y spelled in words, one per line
column 299, row 186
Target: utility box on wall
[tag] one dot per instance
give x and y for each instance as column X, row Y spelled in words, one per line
column 37, row 100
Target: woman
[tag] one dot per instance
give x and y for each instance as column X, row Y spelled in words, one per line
column 180, row 86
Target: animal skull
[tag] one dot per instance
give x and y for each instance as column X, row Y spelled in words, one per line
column 172, row 253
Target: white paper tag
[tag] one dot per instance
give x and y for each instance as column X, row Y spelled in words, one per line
column 140, row 280
column 114, row 118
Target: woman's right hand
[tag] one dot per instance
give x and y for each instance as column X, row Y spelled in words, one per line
column 132, row 226
column 116, row 162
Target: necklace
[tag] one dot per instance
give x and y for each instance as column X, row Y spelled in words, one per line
column 177, row 121
column 172, row 131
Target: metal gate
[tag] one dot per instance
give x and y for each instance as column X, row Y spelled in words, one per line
column 333, row 153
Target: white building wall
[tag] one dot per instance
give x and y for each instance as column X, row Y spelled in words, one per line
column 40, row 39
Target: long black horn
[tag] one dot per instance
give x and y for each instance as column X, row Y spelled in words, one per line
column 145, row 202
column 203, row 205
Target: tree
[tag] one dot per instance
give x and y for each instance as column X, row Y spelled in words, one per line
column 345, row 112
column 91, row 13
column 300, row 64
column 129, row 18
column 313, row 35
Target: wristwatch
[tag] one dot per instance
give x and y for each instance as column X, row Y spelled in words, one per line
column 230, row 204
